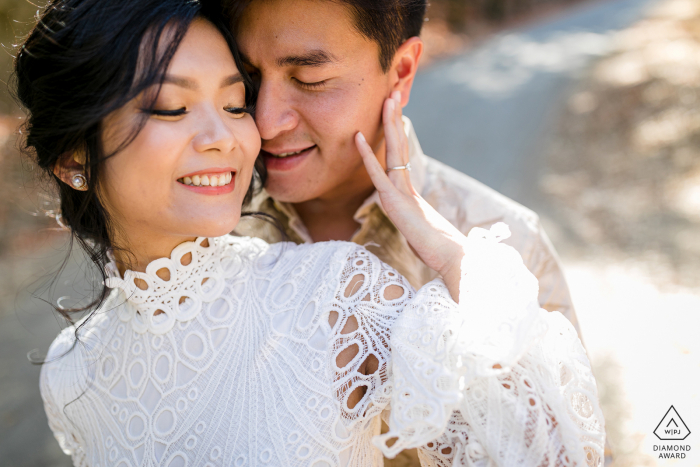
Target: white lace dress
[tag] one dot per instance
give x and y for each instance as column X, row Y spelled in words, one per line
column 233, row 361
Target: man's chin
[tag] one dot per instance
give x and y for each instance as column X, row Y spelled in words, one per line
column 293, row 186
column 280, row 191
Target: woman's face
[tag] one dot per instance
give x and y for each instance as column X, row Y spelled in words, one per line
column 186, row 173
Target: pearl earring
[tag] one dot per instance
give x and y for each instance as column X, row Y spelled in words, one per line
column 79, row 182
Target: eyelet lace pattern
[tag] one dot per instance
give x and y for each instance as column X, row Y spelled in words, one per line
column 459, row 369
column 253, row 355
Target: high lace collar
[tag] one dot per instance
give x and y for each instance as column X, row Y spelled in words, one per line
column 180, row 297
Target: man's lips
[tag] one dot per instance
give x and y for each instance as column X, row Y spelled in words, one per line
column 286, row 152
column 276, row 162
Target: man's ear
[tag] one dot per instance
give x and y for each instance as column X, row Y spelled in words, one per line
column 68, row 166
column 404, row 67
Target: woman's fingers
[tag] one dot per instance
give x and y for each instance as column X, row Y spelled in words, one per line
column 396, row 95
column 396, row 142
column 396, row 151
column 374, row 168
column 393, row 145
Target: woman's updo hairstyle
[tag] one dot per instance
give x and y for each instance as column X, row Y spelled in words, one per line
column 83, row 60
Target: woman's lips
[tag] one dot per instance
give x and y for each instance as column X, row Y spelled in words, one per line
column 209, row 182
column 277, row 163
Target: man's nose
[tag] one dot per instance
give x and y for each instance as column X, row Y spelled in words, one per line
column 273, row 113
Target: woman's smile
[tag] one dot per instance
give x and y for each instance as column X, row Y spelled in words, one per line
column 210, row 181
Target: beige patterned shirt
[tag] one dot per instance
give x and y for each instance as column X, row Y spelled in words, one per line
column 463, row 201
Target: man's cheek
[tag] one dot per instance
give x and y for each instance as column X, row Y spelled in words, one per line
column 336, row 103
column 324, row 113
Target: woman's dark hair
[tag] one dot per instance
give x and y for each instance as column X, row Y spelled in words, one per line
column 83, row 60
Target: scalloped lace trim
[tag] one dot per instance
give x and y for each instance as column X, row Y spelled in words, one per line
column 154, row 304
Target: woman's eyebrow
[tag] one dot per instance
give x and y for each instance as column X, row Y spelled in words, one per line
column 192, row 85
column 180, row 81
column 231, row 80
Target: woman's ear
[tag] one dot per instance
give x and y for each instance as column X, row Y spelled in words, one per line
column 70, row 169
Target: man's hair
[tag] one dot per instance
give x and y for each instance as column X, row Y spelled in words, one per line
column 389, row 23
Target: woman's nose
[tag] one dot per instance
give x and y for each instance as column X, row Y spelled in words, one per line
column 215, row 134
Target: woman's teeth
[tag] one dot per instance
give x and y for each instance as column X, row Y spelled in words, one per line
column 208, row 180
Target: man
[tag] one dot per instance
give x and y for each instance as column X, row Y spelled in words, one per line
column 324, row 69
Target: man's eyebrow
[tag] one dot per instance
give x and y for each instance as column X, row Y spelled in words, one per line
column 231, row 80
column 312, row 58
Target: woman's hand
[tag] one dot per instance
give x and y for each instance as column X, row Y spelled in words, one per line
column 437, row 242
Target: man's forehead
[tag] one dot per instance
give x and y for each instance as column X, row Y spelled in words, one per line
column 296, row 33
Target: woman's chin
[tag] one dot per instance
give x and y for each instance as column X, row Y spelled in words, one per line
column 216, row 229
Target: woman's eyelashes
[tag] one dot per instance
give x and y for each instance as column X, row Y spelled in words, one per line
column 168, row 113
column 237, row 112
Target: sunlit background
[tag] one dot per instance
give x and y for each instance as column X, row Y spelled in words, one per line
column 586, row 111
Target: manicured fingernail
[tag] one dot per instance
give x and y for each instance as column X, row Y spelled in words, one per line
column 397, row 96
column 361, row 136
column 392, row 104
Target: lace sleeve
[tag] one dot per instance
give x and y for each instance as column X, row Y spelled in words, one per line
column 495, row 378
column 59, row 366
column 365, row 307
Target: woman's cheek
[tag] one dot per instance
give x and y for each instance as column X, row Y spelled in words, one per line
column 147, row 165
column 164, row 144
column 250, row 143
column 250, row 140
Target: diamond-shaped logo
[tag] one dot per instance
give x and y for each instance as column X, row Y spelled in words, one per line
column 671, row 427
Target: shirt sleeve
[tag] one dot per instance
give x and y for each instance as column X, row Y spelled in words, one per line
column 543, row 261
column 493, row 379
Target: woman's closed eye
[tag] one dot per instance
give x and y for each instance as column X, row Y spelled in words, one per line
column 238, row 112
column 174, row 114
column 167, row 114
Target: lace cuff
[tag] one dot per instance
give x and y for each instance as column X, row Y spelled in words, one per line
column 518, row 375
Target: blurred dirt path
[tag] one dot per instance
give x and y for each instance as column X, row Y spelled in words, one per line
column 620, row 196
column 485, row 112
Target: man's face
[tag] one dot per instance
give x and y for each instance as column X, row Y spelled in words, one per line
column 320, row 83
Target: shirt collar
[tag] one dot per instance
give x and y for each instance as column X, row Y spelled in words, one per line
column 294, row 221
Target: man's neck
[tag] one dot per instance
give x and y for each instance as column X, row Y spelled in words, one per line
column 332, row 217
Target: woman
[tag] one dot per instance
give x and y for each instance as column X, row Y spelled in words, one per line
column 208, row 349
